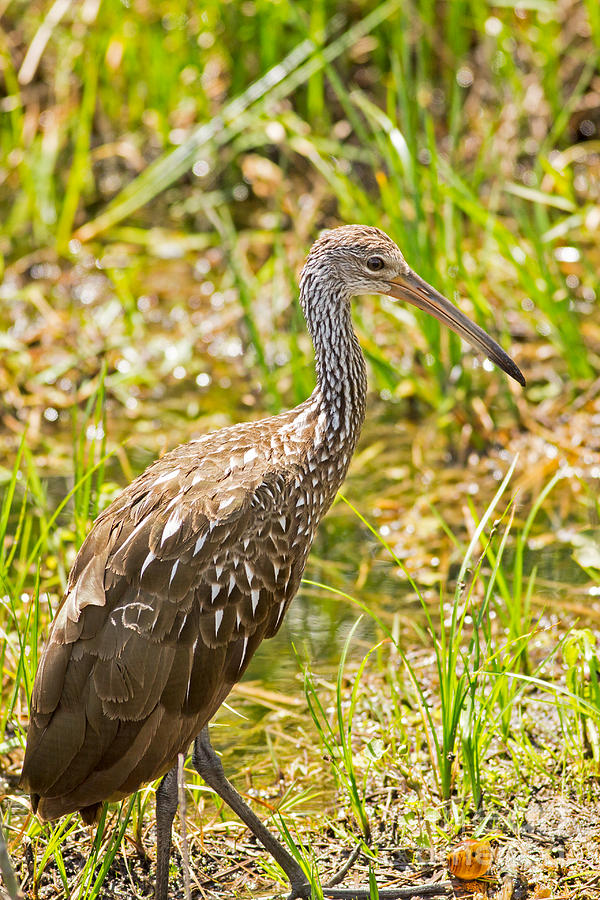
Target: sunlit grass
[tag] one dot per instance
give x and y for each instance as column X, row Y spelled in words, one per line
column 471, row 701
column 461, row 217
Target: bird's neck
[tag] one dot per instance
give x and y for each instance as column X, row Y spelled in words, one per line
column 341, row 390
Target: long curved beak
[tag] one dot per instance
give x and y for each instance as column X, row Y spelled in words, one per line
column 413, row 289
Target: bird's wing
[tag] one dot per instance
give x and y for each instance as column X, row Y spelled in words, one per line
column 171, row 593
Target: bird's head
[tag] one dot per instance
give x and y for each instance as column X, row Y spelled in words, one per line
column 359, row 259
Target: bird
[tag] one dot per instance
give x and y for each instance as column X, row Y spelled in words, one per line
column 197, row 561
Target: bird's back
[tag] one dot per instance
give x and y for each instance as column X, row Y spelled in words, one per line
column 174, row 588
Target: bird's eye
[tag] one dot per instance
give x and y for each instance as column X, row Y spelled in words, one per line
column 375, row 263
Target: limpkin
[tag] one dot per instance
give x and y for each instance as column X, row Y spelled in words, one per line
column 196, row 562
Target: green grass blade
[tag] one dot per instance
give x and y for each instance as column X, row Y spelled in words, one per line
column 282, row 80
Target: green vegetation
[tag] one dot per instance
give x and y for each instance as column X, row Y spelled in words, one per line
column 164, row 168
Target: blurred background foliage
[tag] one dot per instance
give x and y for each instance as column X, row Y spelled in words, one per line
column 217, row 138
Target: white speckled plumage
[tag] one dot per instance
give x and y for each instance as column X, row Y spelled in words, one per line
column 194, row 565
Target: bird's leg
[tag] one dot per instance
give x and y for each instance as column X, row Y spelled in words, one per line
column 166, row 807
column 208, row 765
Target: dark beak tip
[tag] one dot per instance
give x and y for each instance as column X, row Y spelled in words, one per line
column 514, row 371
column 508, row 365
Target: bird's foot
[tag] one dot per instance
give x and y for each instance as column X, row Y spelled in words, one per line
column 300, row 890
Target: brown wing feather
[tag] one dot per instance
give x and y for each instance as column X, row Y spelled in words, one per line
column 170, row 595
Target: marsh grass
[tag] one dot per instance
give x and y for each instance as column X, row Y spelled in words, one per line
column 472, row 702
column 336, row 735
column 6, row 869
column 431, row 199
column 580, row 654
